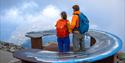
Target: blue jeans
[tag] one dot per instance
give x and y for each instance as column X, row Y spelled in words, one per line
column 63, row 44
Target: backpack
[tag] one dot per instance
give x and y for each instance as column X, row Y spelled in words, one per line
column 83, row 23
column 62, row 29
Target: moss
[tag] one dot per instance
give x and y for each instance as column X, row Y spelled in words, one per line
column 121, row 56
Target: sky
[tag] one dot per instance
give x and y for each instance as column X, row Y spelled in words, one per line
column 18, row 17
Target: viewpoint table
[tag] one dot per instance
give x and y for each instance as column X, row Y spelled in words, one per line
column 36, row 39
column 103, row 51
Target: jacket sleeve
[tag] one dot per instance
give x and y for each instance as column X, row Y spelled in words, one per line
column 69, row 28
column 74, row 21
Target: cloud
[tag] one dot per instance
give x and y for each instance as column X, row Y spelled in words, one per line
column 42, row 20
column 51, row 11
column 29, row 5
column 12, row 13
column 93, row 26
column 17, row 15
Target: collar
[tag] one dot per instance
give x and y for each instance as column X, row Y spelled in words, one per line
column 76, row 12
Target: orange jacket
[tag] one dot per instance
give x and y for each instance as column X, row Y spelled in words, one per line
column 75, row 20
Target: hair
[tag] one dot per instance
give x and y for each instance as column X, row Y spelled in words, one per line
column 64, row 15
column 76, row 7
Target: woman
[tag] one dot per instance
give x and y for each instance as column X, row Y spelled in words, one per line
column 63, row 30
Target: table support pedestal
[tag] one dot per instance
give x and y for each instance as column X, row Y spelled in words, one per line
column 36, row 43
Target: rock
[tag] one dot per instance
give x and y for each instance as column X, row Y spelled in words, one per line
column 10, row 47
column 6, row 44
column 15, row 61
column 121, row 56
column 6, row 51
column 7, row 57
column 1, row 46
column 2, row 43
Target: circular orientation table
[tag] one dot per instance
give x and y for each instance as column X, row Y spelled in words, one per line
column 106, row 46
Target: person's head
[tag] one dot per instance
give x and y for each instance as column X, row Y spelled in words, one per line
column 75, row 8
column 63, row 15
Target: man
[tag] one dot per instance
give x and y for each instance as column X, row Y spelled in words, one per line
column 78, row 29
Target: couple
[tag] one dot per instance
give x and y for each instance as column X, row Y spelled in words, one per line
column 78, row 27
